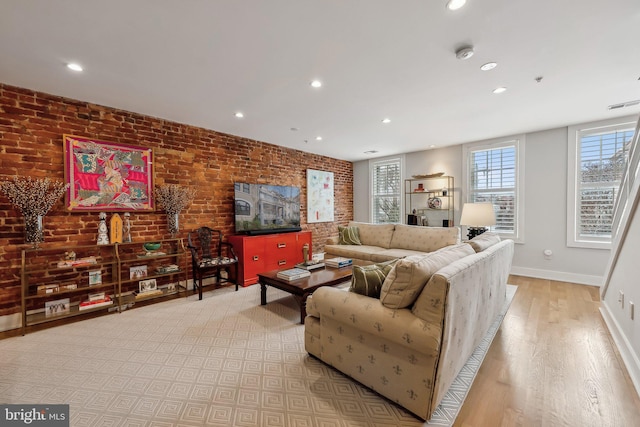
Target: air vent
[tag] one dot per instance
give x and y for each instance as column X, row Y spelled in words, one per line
column 624, row 104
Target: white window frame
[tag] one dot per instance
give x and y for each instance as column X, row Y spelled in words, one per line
column 372, row 165
column 518, row 141
column 573, row 160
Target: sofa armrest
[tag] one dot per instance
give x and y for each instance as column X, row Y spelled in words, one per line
column 333, row 240
column 398, row 326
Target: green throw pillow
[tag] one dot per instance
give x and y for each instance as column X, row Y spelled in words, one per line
column 348, row 236
column 368, row 279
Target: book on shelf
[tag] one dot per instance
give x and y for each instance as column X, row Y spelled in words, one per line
column 47, row 289
column 95, row 303
column 164, row 269
column 293, row 274
column 310, row 267
column 338, row 262
column 90, row 260
column 148, row 294
column 68, row 287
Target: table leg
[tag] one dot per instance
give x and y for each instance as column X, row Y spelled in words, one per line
column 263, row 294
column 302, row 302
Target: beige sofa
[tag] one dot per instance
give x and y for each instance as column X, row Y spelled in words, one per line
column 384, row 242
column 412, row 355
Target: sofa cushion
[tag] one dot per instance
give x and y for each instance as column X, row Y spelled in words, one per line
column 368, row 279
column 389, row 254
column 484, row 240
column 424, row 239
column 374, row 234
column 348, row 236
column 409, row 275
column 355, row 252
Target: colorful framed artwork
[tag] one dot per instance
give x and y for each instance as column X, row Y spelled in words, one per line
column 107, row 176
column 319, row 196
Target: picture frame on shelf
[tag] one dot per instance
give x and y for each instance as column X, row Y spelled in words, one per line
column 137, row 272
column 56, row 307
column 147, row 285
column 95, row 277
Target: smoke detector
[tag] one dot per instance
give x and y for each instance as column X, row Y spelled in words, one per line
column 464, row 52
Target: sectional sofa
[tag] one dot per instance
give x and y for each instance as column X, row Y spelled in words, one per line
column 411, row 342
column 373, row 243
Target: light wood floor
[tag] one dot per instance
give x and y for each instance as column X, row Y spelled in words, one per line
column 552, row 363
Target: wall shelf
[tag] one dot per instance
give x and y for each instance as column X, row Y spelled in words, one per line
column 430, row 201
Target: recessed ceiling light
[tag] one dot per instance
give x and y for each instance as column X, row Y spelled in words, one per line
column 455, row 4
column 499, row 90
column 75, row 67
column 371, row 152
column 318, row 138
column 489, row 66
column 432, row 146
column 386, row 120
column 316, row 83
column 239, row 114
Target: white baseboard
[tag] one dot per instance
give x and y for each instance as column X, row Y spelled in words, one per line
column 629, row 357
column 561, row 276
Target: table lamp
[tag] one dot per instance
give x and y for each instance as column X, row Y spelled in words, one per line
column 477, row 217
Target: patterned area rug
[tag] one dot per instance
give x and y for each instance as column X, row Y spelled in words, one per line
column 223, row 361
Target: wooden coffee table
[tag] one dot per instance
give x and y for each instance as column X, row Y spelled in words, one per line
column 302, row 288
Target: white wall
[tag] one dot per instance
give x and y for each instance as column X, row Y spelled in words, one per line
column 617, row 314
column 545, row 207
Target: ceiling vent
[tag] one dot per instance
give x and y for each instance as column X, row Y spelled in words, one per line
column 624, row 104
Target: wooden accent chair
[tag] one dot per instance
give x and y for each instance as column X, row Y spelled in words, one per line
column 209, row 256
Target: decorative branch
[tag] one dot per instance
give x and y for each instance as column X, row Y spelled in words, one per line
column 33, row 196
column 174, row 198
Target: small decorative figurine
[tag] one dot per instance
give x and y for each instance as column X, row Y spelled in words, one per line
column 126, row 229
column 103, row 237
column 305, row 252
column 116, row 228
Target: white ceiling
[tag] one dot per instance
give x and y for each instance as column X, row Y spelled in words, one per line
column 200, row 61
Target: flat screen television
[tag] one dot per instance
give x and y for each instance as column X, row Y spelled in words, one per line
column 264, row 209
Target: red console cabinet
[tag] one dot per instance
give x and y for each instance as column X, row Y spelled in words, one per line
column 257, row 254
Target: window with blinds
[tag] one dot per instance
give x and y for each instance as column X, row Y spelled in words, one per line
column 493, row 179
column 602, row 161
column 386, row 191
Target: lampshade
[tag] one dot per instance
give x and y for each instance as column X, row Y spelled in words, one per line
column 478, row 215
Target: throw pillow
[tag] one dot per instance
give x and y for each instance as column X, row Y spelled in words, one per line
column 484, row 240
column 368, row 279
column 405, row 281
column 348, row 236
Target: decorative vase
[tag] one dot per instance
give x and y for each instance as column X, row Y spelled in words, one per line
column 172, row 223
column 33, row 231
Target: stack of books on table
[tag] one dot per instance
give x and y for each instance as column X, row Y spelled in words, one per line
column 293, row 274
column 338, row 262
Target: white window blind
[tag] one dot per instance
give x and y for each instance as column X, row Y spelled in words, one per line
column 602, row 161
column 493, row 177
column 386, row 191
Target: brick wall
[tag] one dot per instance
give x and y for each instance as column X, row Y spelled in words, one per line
column 31, row 129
